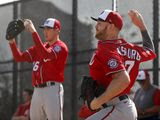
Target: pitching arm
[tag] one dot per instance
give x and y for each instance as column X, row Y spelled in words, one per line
column 147, row 42
column 138, row 21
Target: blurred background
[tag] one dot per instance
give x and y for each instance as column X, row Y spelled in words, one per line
column 78, row 33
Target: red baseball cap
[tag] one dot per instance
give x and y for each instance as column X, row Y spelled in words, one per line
column 51, row 23
column 111, row 17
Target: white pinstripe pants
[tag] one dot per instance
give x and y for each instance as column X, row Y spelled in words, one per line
column 123, row 110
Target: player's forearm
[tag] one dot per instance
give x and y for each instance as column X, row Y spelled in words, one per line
column 138, row 21
column 44, row 53
column 147, row 42
column 117, row 85
column 18, row 56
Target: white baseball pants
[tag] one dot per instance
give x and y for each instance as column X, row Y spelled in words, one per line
column 47, row 103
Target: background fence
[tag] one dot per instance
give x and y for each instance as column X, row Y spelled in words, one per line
column 78, row 33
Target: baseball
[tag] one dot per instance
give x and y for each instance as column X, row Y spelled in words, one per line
column 26, row 23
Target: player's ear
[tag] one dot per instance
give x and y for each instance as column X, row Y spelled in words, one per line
column 112, row 26
column 57, row 30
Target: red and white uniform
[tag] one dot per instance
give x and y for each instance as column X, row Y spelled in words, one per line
column 117, row 55
column 133, row 55
column 106, row 60
column 48, row 66
column 43, row 61
column 110, row 57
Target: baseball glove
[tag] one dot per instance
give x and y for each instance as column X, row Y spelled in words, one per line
column 14, row 28
column 89, row 90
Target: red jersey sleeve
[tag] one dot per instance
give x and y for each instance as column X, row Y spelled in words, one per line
column 43, row 52
column 18, row 55
column 156, row 97
column 32, row 53
column 59, row 50
column 111, row 60
column 146, row 54
column 17, row 113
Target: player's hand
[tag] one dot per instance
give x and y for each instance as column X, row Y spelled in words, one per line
column 11, row 40
column 29, row 26
column 137, row 19
column 95, row 104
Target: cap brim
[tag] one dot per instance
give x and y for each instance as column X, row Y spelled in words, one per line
column 95, row 19
column 140, row 79
column 42, row 26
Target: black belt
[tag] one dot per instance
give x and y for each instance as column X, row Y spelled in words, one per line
column 123, row 97
column 46, row 84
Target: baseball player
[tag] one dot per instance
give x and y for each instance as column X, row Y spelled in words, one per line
column 48, row 60
column 147, row 98
column 22, row 112
column 111, row 63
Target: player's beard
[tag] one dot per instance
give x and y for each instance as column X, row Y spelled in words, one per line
column 102, row 34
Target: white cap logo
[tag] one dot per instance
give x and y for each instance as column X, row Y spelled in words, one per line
column 49, row 22
column 104, row 14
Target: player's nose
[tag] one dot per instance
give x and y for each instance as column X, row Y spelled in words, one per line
column 96, row 27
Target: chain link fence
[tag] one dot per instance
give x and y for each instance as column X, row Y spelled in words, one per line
column 78, row 33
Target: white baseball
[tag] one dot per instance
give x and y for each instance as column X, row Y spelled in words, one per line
column 26, row 23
